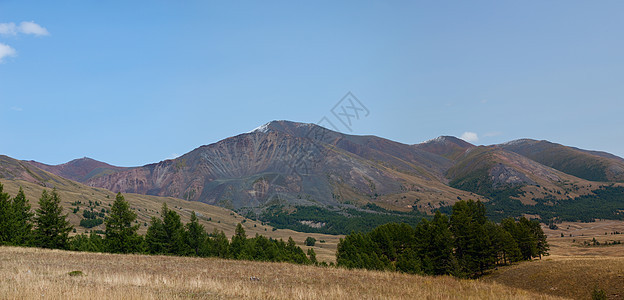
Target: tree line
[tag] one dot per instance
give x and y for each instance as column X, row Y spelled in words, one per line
column 48, row 228
column 464, row 245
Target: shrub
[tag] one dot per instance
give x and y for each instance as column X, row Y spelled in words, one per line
column 310, row 241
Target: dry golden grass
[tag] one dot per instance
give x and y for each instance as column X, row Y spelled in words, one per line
column 573, row 269
column 568, row 276
column 212, row 217
column 28, row 273
column 581, row 232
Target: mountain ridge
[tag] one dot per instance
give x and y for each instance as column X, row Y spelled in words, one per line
column 285, row 163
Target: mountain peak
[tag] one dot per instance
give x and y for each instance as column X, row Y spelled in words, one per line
column 449, row 140
column 446, row 146
column 285, row 126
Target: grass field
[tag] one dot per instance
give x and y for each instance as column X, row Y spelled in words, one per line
column 29, row 273
column 568, row 276
column 573, row 269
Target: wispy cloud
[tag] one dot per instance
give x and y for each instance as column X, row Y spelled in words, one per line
column 15, row 108
column 23, row 28
column 33, row 28
column 6, row 51
column 10, row 29
column 469, row 137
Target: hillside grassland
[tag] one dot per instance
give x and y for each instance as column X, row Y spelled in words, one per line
column 568, row 276
column 211, row 217
column 30, row 273
column 574, row 268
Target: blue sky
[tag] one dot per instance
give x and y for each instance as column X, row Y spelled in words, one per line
column 136, row 82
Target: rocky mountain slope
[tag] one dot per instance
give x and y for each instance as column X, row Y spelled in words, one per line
column 289, row 164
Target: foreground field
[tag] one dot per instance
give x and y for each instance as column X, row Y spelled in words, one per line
column 28, row 273
column 568, row 276
column 576, row 266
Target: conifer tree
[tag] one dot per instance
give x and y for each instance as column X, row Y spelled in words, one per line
column 195, row 235
column 239, row 242
column 156, row 237
column 52, row 228
column 5, row 216
column 21, row 222
column 312, row 256
column 473, row 243
column 121, row 235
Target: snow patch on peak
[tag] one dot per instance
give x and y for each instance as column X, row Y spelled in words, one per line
column 518, row 141
column 440, row 139
column 262, row 128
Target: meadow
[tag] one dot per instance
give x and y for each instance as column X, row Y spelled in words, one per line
column 30, row 273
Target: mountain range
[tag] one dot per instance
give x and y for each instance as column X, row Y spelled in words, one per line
column 290, row 164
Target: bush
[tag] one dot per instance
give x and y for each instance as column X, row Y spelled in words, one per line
column 310, row 241
column 90, row 223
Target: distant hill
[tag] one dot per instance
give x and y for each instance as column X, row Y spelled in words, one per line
column 15, row 174
column 80, row 170
column 589, row 165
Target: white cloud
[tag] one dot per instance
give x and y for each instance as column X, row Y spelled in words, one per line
column 6, row 51
column 469, row 137
column 8, row 29
column 32, row 28
column 24, row 28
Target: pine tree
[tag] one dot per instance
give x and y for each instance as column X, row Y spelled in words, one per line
column 473, row 243
column 541, row 244
column 195, row 235
column 5, row 217
column 156, row 237
column 121, row 235
column 52, row 228
column 21, row 223
column 166, row 236
column 239, row 242
column 175, row 232
column 435, row 246
column 312, row 256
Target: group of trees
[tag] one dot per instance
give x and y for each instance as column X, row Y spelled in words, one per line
column 49, row 228
column 465, row 245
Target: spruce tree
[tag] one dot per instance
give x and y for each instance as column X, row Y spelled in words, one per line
column 312, row 256
column 21, row 222
column 121, row 235
column 195, row 235
column 239, row 241
column 156, row 237
column 5, row 217
column 52, row 228
column 175, row 232
column 473, row 243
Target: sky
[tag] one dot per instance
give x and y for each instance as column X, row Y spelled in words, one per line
column 137, row 82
